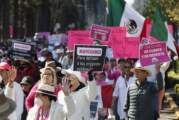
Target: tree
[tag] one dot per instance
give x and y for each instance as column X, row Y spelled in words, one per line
column 68, row 14
column 45, row 16
column 170, row 9
column 5, row 19
column 16, row 17
column 28, row 12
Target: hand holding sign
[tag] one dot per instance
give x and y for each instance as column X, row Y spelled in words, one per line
column 90, row 74
column 89, row 56
column 152, row 53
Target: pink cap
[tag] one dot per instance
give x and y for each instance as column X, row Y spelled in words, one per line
column 4, row 65
column 99, row 72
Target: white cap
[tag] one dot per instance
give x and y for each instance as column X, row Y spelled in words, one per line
column 36, row 34
column 76, row 73
column 56, row 44
column 60, row 51
column 68, row 51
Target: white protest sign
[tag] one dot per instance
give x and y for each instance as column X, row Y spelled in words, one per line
column 52, row 39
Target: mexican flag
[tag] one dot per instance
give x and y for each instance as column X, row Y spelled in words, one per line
column 160, row 30
column 121, row 14
column 103, row 99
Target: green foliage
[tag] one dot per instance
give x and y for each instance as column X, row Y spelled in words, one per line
column 33, row 4
column 176, row 88
column 170, row 9
column 173, row 77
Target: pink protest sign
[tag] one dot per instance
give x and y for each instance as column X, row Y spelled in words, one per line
column 127, row 47
column 145, row 41
column 117, row 32
column 148, row 28
column 43, row 34
column 100, row 33
column 78, row 37
column 149, row 53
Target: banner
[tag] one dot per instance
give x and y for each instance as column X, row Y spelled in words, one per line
column 78, row 37
column 93, row 109
column 43, row 34
column 127, row 47
column 150, row 53
column 52, row 39
column 117, row 32
column 103, row 99
column 89, row 56
column 64, row 38
column 100, row 32
column 22, row 50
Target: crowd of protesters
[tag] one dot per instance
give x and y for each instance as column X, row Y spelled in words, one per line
column 48, row 88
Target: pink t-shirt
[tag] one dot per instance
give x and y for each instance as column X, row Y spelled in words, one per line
column 101, row 83
column 39, row 115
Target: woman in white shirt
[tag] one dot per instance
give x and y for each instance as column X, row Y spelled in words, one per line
column 121, row 88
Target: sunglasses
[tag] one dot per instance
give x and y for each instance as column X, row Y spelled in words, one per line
column 48, row 74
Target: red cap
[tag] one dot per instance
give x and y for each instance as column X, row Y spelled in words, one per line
column 4, row 65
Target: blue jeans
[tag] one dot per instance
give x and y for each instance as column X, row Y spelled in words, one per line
column 156, row 107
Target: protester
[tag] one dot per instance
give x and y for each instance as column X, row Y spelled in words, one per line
column 57, row 70
column 112, row 62
column 24, row 68
column 48, row 57
column 62, row 58
column 56, row 46
column 46, row 107
column 12, row 89
column 140, row 96
column 114, row 75
column 70, row 58
column 26, row 85
column 48, row 76
column 83, row 93
column 120, row 90
column 159, row 96
column 100, row 78
column 7, row 106
column 38, row 52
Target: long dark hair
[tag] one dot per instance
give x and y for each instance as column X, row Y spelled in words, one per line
column 50, row 97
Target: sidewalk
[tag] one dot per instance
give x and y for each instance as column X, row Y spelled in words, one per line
column 167, row 113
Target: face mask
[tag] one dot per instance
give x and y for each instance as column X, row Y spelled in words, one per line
column 38, row 101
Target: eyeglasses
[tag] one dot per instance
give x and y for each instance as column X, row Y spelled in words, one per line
column 128, row 67
column 48, row 74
